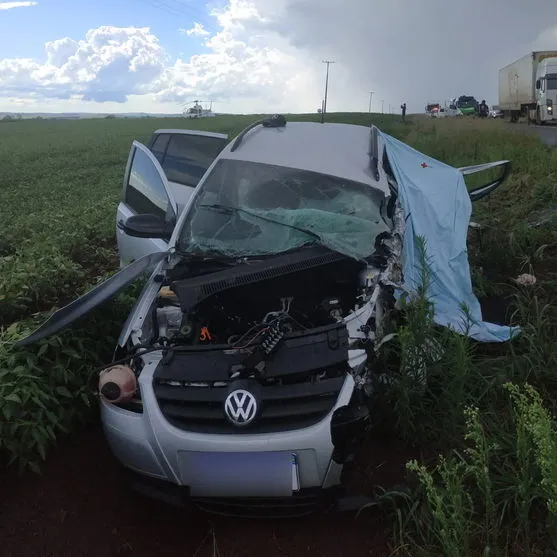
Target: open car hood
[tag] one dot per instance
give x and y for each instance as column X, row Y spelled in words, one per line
column 95, row 297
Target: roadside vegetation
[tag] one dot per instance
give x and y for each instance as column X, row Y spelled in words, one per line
column 486, row 483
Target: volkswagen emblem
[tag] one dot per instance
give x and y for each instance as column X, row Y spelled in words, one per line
column 240, row 407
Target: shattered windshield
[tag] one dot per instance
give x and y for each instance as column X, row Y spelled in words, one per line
column 248, row 209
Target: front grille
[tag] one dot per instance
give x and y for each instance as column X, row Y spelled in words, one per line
column 287, row 403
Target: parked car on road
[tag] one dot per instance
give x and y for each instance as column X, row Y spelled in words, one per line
column 496, row 112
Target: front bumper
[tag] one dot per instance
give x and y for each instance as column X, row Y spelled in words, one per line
column 205, row 466
column 303, row 503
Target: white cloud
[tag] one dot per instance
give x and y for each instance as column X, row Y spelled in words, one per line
column 267, row 56
column 107, row 65
column 11, row 5
column 243, row 71
column 250, row 67
column 197, row 30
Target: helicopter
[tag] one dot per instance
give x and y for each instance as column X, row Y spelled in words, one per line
column 197, row 110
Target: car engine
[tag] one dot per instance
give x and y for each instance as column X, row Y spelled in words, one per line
column 238, row 316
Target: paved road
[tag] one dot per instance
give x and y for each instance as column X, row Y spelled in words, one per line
column 547, row 133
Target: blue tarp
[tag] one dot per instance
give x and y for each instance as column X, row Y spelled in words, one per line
column 437, row 208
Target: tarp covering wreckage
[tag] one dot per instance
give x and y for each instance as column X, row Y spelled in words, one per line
column 437, row 208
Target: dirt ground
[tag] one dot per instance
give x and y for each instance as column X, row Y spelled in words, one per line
column 78, row 507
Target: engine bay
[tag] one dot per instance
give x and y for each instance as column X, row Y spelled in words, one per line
column 306, row 316
column 270, row 308
column 255, row 312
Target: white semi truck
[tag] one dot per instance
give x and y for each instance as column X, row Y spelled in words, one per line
column 528, row 87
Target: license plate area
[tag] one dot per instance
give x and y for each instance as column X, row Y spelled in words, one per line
column 247, row 474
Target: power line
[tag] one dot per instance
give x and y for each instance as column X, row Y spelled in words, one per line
column 191, row 8
column 186, row 9
column 181, row 10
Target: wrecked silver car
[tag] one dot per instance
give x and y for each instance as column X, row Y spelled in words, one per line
column 240, row 381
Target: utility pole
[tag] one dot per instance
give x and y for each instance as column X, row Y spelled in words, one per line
column 382, row 107
column 324, row 111
column 370, row 97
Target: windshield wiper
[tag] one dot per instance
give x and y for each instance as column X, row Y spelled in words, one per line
column 231, row 210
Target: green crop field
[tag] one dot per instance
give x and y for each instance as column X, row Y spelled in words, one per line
column 487, row 409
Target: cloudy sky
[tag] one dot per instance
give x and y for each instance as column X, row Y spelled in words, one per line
column 260, row 55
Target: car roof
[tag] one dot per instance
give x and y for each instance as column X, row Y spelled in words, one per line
column 340, row 150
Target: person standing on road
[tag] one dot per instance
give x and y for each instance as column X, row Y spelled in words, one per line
column 403, row 108
column 483, row 109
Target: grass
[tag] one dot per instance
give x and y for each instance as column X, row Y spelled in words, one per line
column 487, row 411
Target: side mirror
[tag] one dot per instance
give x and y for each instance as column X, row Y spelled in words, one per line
column 538, row 84
column 148, row 226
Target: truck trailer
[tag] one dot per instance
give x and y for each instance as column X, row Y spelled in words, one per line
column 528, row 87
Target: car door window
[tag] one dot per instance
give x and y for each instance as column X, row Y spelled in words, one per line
column 188, row 156
column 145, row 190
column 158, row 148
